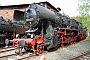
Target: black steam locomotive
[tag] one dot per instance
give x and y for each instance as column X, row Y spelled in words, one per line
column 43, row 21
column 49, row 29
column 8, row 29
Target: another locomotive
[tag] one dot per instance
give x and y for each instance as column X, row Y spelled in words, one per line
column 8, row 29
column 48, row 29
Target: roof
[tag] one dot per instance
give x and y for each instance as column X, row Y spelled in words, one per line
column 9, row 6
column 50, row 5
column 23, row 5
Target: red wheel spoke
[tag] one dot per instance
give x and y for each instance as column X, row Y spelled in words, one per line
column 40, row 49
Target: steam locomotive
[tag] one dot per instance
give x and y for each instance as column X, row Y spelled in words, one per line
column 47, row 29
column 8, row 29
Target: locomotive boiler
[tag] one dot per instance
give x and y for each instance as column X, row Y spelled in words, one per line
column 48, row 29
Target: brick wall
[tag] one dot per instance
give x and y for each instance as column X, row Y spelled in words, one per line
column 49, row 7
column 8, row 13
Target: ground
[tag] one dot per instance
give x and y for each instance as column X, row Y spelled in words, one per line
column 67, row 52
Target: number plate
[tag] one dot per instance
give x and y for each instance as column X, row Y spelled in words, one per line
column 31, row 19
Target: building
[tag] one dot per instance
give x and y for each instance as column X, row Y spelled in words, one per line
column 8, row 11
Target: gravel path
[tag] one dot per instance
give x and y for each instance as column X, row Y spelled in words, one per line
column 67, row 53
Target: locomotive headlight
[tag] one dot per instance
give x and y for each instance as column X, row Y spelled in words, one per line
column 26, row 9
column 30, row 22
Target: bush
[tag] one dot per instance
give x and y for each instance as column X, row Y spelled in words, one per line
column 88, row 38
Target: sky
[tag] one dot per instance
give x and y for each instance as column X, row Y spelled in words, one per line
column 69, row 7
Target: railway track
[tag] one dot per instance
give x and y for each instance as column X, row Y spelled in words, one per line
column 31, row 56
column 27, row 56
column 23, row 56
column 6, row 50
column 6, row 56
column 83, row 56
column 17, row 57
column 5, row 47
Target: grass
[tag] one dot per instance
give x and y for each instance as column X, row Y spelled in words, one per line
column 88, row 38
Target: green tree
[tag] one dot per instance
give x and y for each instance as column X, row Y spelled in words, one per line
column 84, row 11
column 84, row 7
column 84, row 14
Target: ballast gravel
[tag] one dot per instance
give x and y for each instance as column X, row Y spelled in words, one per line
column 68, row 52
